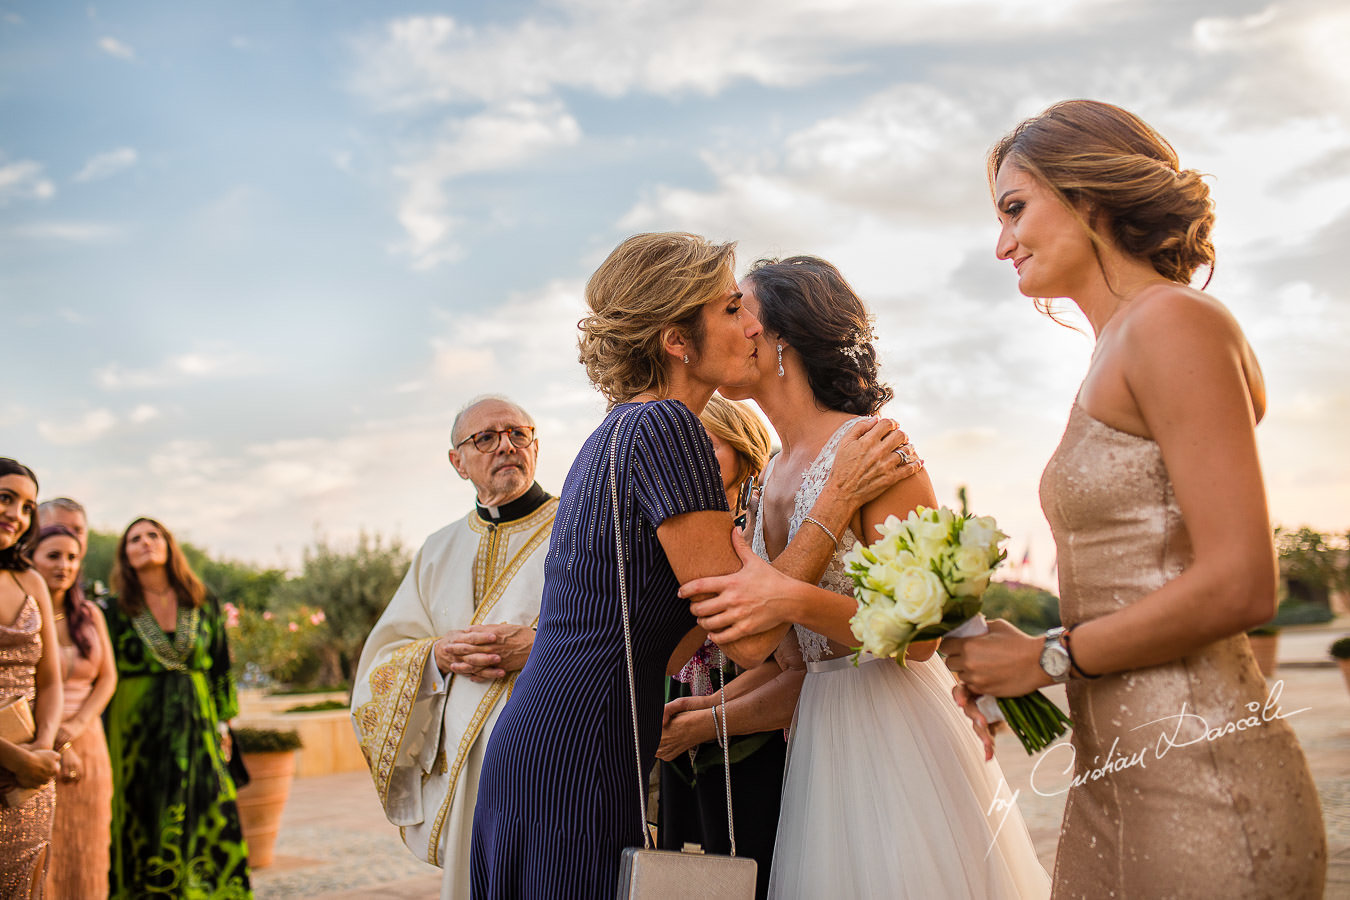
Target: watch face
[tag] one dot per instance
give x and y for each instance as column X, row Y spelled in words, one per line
column 1055, row 660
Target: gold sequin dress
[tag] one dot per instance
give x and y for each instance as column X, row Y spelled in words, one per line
column 25, row 831
column 1187, row 782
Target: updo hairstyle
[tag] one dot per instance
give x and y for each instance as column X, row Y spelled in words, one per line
column 807, row 303
column 649, row 283
column 1100, row 155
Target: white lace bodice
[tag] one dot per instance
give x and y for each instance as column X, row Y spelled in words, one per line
column 815, row 646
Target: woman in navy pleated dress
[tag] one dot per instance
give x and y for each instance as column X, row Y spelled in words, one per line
column 559, row 795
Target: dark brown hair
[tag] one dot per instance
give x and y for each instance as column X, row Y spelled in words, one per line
column 127, row 585
column 18, row 557
column 809, row 305
column 1128, row 177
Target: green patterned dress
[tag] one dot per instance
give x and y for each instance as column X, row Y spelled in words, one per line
column 175, row 826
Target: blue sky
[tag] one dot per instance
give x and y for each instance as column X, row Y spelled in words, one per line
column 253, row 256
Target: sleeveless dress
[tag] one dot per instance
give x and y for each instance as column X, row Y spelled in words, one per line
column 26, row 831
column 1236, row 816
column 82, row 827
column 887, row 794
column 558, row 795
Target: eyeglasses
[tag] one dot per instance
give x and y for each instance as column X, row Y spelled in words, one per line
column 520, row 436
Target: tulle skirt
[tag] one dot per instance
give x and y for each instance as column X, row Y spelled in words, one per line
column 887, row 794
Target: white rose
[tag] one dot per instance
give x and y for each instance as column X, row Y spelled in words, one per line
column 928, row 538
column 970, row 562
column 919, row 597
column 982, row 532
column 880, row 630
column 973, row 587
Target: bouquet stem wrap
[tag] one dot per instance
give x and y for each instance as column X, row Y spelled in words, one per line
column 1034, row 717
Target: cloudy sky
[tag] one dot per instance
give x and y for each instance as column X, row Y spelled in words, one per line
column 253, row 256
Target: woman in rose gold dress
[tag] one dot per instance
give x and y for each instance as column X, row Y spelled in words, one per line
column 30, row 670
column 82, row 826
column 1186, row 783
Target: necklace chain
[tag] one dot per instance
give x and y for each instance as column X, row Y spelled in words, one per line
column 170, row 656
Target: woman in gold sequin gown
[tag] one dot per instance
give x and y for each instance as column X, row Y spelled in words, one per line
column 29, row 670
column 1188, row 783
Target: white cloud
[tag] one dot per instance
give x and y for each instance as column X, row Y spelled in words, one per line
column 115, row 48
column 67, row 232
column 613, row 47
column 92, row 425
column 23, row 179
column 143, row 413
column 105, row 164
column 504, row 137
column 176, row 370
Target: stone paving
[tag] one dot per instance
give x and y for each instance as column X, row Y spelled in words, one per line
column 335, row 843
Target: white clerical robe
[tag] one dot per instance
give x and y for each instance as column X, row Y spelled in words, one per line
column 423, row 735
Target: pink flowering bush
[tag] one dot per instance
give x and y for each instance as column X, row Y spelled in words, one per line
column 272, row 644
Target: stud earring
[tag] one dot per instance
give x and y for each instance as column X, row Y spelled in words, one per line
column 686, row 359
column 780, row 361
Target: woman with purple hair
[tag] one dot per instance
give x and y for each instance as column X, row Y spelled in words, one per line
column 82, row 825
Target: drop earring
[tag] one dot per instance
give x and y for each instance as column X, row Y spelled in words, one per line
column 686, row 359
column 780, row 361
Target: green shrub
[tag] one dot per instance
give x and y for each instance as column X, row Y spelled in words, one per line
column 1296, row 613
column 1340, row 648
column 321, row 706
column 1030, row 608
column 266, row 740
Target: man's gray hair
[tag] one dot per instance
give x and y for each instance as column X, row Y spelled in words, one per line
column 456, row 437
column 63, row 503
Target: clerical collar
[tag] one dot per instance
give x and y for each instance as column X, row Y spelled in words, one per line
column 518, row 508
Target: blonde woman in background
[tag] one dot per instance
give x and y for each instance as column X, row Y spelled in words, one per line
column 693, row 790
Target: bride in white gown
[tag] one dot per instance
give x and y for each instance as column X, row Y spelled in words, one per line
column 887, row 793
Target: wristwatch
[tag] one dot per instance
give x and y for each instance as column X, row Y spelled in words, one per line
column 1055, row 660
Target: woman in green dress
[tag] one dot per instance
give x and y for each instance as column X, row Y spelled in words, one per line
column 175, row 823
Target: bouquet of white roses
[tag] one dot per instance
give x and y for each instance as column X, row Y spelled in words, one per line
column 924, row 578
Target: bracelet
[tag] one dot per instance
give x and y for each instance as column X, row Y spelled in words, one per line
column 816, row 522
column 1068, row 647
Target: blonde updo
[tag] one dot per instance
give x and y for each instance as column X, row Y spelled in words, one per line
column 1124, row 172
column 650, row 283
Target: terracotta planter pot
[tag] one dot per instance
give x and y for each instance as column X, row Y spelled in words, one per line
column 261, row 802
column 1265, row 647
column 1345, row 671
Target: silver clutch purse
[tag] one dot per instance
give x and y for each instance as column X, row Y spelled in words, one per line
column 676, row 875
column 644, row 872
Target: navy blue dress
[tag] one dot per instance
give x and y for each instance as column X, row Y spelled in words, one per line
column 557, row 799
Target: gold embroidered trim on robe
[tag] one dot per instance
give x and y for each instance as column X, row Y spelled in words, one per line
column 383, row 720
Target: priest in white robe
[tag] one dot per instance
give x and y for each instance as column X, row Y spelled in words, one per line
column 439, row 665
